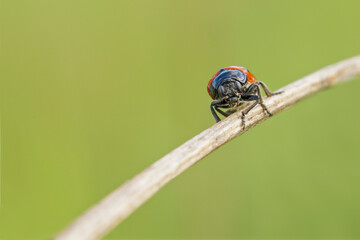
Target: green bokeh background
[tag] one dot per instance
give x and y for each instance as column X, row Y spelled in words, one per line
column 93, row 92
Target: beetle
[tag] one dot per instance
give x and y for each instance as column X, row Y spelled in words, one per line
column 236, row 88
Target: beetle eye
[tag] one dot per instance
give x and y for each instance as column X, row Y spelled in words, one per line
column 238, row 85
column 221, row 91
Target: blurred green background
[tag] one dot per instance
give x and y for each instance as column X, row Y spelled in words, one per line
column 93, row 92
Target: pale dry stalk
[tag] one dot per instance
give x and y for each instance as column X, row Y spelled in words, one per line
column 119, row 204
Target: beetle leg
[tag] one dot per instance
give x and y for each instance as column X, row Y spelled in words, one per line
column 220, row 103
column 215, row 106
column 266, row 89
column 260, row 97
column 255, row 98
column 258, row 92
column 212, row 105
column 230, row 111
column 225, row 114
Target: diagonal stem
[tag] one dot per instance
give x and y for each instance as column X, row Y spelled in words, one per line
column 119, row 204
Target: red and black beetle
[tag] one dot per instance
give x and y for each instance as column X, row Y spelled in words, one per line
column 236, row 88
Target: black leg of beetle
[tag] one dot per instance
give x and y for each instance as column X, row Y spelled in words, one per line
column 243, row 120
column 225, row 114
column 265, row 109
column 212, row 105
column 256, row 87
column 248, row 98
column 255, row 98
column 266, row 89
column 215, row 105
column 261, row 100
column 230, row 111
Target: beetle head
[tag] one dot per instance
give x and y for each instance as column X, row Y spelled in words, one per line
column 230, row 88
column 229, row 83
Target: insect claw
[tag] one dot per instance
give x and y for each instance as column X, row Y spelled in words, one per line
column 265, row 109
column 243, row 121
column 277, row 93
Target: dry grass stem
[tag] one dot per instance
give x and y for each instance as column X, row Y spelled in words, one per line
column 118, row 205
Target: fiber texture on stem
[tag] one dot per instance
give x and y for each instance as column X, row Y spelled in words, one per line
column 118, row 205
